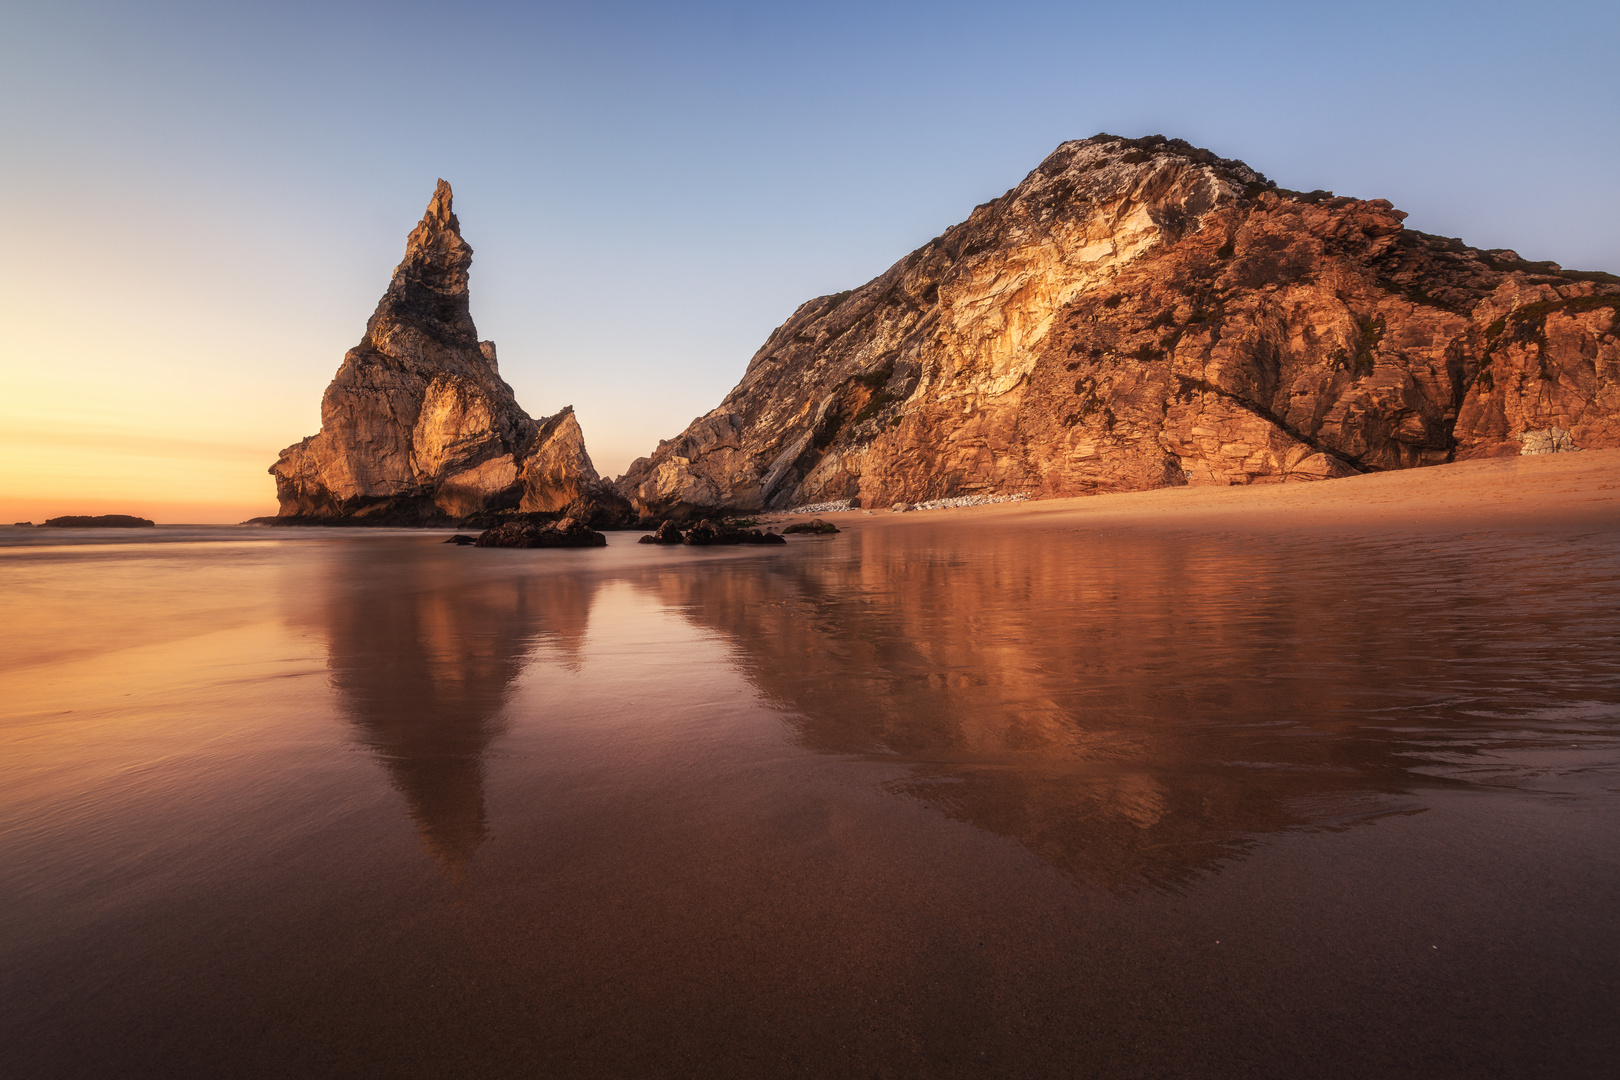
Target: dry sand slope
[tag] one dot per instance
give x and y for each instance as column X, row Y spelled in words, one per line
column 1517, row 492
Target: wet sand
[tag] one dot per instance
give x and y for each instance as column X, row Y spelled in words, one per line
column 1317, row 780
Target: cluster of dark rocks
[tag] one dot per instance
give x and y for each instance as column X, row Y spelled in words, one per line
column 533, row 531
column 565, row 533
column 708, row 532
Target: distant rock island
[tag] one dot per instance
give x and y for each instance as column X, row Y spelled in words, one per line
column 419, row 428
column 98, row 521
column 1142, row 313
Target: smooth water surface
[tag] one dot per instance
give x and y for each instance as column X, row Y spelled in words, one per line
column 917, row 800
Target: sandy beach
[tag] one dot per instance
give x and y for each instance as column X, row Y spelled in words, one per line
column 1512, row 492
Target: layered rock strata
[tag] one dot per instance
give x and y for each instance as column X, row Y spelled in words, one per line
column 1141, row 313
column 419, row 427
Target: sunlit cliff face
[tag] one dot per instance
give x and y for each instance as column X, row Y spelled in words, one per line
column 1139, row 314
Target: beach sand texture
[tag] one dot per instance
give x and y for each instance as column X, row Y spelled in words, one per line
column 1504, row 491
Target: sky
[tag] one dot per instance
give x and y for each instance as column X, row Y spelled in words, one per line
column 204, row 201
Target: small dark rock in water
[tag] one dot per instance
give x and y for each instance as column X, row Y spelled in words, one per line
column 22, row 524
column 101, row 521
column 702, row 534
column 567, row 533
column 600, row 507
column 571, row 532
column 462, row 539
column 749, row 536
column 666, row 533
column 708, row 532
column 816, row 526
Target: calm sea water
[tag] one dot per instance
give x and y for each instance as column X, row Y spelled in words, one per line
column 908, row 801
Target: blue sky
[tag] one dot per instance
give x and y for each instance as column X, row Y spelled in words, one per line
column 205, row 200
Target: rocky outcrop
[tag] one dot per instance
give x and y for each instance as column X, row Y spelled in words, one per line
column 566, row 533
column 418, row 426
column 708, row 533
column 1141, row 313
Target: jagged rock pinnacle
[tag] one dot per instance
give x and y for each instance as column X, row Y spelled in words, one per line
column 418, row 425
column 430, row 286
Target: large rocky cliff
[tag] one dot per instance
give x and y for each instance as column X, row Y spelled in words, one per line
column 1141, row 313
column 418, row 426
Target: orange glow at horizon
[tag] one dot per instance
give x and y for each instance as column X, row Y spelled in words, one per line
column 138, row 374
column 50, row 472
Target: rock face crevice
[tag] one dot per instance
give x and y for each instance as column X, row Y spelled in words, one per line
column 418, row 426
column 1142, row 313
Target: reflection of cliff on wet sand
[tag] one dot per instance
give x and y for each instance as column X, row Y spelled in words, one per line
column 423, row 663
column 1132, row 710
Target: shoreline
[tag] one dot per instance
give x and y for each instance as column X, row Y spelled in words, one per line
column 1570, row 488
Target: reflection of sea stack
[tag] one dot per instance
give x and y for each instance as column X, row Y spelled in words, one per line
column 1066, row 728
column 424, row 668
column 418, row 425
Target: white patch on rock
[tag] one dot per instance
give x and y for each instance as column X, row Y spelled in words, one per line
column 1553, row 440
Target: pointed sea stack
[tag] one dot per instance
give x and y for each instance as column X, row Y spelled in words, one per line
column 1139, row 313
column 418, row 427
